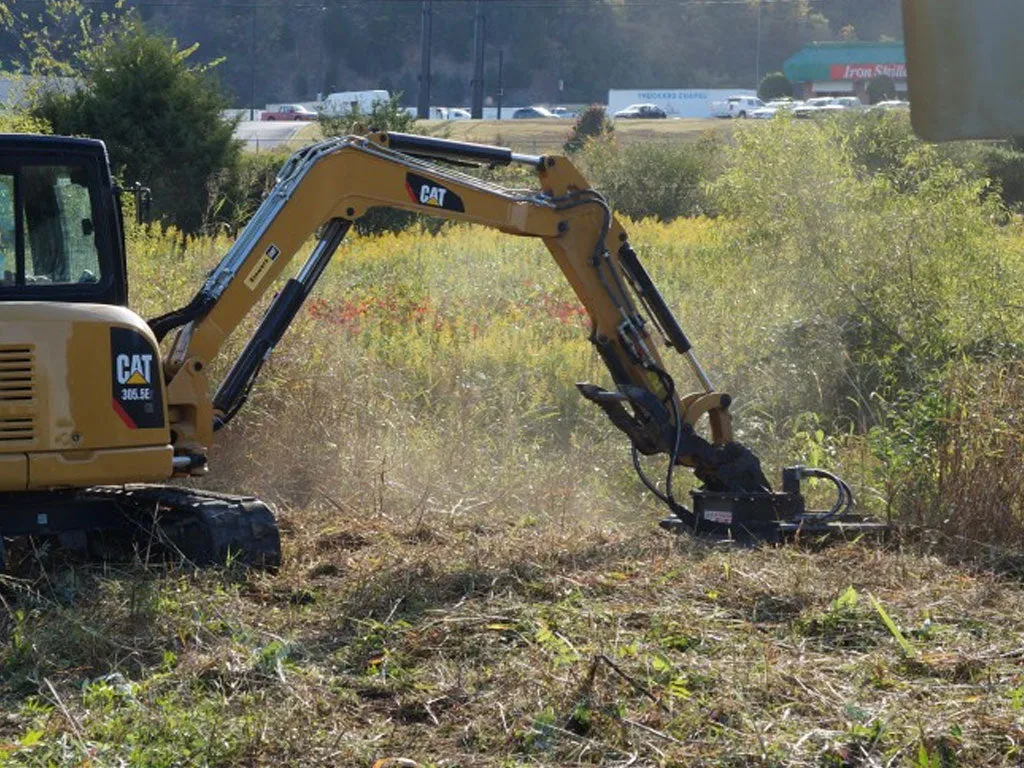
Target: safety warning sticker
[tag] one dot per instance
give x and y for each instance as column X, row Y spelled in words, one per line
column 262, row 267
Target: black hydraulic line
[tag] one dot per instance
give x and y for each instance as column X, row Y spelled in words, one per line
column 674, row 457
column 166, row 323
column 844, row 494
column 600, row 256
column 653, row 300
column 235, row 388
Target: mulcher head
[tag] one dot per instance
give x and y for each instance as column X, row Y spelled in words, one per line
column 770, row 515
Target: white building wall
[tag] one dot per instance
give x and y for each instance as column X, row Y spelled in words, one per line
column 678, row 102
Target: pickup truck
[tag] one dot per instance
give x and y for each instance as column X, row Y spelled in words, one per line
column 288, row 112
column 736, row 106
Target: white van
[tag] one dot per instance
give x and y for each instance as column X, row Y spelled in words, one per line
column 346, row 101
column 736, row 106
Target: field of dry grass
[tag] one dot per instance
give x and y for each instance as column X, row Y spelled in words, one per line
column 469, row 639
column 540, row 136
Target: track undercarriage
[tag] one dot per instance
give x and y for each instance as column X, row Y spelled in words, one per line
column 160, row 521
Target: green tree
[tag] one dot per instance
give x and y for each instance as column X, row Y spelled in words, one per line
column 881, row 88
column 774, row 85
column 591, row 123
column 160, row 116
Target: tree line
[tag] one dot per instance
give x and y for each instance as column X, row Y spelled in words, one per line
column 569, row 51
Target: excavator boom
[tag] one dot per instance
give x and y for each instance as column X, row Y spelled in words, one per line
column 326, row 187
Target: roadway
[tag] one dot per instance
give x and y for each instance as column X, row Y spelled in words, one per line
column 271, row 134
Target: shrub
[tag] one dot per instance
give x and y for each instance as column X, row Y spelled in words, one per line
column 387, row 115
column 774, row 85
column 15, row 121
column 659, row 178
column 884, row 143
column 1004, row 164
column 239, row 194
column 958, row 457
column 159, row 115
column 878, row 142
column 591, row 123
column 910, row 274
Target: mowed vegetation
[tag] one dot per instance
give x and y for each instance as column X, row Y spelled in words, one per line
column 473, row 575
column 543, row 136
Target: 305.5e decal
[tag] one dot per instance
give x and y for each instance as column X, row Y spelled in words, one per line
column 137, row 395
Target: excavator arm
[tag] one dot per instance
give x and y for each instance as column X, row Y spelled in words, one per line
column 324, row 188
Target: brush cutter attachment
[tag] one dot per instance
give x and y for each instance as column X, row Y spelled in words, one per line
column 771, row 515
column 736, row 499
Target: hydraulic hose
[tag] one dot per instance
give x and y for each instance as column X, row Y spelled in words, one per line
column 844, row 495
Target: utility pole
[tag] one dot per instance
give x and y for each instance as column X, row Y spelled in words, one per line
column 477, row 111
column 252, row 68
column 423, row 101
column 321, row 86
column 501, row 81
column 757, row 61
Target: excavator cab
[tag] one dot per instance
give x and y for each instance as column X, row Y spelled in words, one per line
column 81, row 396
column 60, row 229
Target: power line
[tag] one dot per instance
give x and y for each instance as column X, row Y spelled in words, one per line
column 325, row 5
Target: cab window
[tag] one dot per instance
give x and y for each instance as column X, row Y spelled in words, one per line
column 47, row 232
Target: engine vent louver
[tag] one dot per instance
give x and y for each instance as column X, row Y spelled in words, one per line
column 17, row 373
column 17, row 430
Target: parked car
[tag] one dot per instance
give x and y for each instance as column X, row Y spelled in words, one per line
column 642, row 112
column 848, row 102
column 289, row 112
column 770, row 109
column 809, row 107
column 888, row 106
column 736, row 106
column 532, row 113
column 563, row 112
column 447, row 113
column 832, row 105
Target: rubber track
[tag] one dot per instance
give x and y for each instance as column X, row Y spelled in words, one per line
column 206, row 528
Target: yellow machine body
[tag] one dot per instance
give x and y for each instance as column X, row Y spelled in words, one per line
column 82, row 400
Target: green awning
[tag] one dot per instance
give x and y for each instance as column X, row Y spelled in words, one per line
column 823, row 62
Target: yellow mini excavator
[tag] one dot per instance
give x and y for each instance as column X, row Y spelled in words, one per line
column 94, row 417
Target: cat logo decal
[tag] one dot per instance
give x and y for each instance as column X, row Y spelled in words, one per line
column 424, row 191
